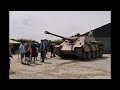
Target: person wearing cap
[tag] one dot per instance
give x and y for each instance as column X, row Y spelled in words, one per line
column 42, row 48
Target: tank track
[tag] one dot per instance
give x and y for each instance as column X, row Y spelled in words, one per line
column 81, row 54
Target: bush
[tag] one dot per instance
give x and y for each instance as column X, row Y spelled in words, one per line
column 57, row 42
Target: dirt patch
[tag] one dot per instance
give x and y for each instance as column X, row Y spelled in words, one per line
column 56, row 68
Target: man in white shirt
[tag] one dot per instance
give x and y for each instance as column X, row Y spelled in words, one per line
column 22, row 51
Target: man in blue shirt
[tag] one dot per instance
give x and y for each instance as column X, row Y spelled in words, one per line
column 42, row 48
column 22, row 51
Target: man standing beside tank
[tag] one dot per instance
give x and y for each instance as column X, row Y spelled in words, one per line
column 42, row 49
column 22, row 51
column 27, row 52
column 51, row 49
column 37, row 50
column 34, row 53
column 46, row 48
column 10, row 55
column 54, row 49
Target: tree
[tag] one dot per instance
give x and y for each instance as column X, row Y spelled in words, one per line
column 57, row 42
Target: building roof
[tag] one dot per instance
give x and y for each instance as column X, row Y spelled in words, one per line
column 13, row 42
column 103, row 31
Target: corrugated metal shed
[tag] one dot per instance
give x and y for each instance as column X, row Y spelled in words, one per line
column 103, row 31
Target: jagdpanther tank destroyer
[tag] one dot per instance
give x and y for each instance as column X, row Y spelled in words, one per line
column 83, row 47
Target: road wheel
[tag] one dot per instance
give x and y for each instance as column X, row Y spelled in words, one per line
column 84, row 55
column 93, row 54
column 78, row 52
column 88, row 55
column 100, row 53
column 97, row 53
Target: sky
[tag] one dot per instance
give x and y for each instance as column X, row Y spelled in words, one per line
column 32, row 24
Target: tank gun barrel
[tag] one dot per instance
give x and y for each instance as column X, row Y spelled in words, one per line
column 46, row 32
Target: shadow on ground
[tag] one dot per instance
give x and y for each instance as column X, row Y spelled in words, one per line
column 48, row 63
column 37, row 64
column 102, row 58
column 31, row 65
column 11, row 72
column 73, row 59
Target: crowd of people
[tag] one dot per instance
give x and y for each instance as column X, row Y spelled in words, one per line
column 29, row 51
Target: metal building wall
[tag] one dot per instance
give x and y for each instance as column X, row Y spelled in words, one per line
column 107, row 43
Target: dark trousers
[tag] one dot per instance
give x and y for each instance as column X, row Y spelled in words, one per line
column 42, row 56
column 9, row 63
column 9, row 66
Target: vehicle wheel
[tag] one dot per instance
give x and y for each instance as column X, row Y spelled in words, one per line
column 100, row 53
column 78, row 52
column 88, row 55
column 97, row 53
column 93, row 54
column 84, row 55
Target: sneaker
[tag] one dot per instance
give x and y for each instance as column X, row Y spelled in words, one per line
column 28, row 63
column 22, row 63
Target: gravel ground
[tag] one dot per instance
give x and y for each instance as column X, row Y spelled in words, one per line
column 57, row 68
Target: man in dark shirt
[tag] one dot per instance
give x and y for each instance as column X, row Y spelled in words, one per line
column 45, row 51
column 51, row 50
column 54, row 49
column 9, row 59
column 33, row 47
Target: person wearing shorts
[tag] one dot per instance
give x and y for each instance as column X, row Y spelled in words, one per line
column 22, row 51
column 27, row 53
